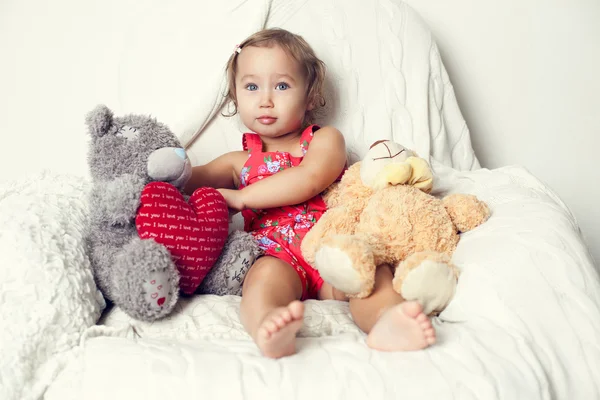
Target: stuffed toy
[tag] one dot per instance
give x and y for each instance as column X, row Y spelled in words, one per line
column 227, row 276
column 147, row 240
column 381, row 213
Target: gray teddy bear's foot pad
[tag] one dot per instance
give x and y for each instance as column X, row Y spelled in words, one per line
column 157, row 289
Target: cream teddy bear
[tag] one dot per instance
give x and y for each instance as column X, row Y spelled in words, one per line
column 381, row 213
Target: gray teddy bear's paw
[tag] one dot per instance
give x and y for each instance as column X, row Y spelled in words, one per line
column 146, row 280
column 227, row 275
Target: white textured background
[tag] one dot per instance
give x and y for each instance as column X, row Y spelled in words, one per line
column 527, row 78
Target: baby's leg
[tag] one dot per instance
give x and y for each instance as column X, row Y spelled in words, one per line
column 328, row 292
column 270, row 310
column 392, row 324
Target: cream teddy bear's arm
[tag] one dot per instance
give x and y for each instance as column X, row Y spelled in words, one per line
column 466, row 211
column 331, row 195
column 335, row 221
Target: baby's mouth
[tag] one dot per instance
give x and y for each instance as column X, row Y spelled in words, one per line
column 266, row 119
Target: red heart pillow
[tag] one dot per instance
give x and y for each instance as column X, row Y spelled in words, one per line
column 194, row 233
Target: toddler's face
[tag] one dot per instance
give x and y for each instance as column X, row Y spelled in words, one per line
column 270, row 90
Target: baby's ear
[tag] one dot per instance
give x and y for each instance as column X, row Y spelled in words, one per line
column 99, row 120
column 311, row 103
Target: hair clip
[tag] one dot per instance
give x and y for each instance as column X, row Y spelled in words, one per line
column 237, row 49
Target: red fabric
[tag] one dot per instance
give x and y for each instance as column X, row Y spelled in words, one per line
column 280, row 231
column 194, row 233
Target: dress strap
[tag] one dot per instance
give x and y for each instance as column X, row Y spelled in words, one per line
column 252, row 142
column 307, row 136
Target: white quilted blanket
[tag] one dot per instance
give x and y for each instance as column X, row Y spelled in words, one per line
column 524, row 325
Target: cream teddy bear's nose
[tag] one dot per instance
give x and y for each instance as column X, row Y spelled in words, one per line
column 392, row 174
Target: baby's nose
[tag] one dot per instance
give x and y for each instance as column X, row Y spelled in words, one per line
column 266, row 100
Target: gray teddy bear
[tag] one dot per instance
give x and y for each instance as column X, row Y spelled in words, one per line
column 125, row 154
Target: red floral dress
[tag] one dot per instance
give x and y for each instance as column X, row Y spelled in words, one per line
column 279, row 231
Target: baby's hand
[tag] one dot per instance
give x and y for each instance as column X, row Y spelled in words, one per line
column 233, row 199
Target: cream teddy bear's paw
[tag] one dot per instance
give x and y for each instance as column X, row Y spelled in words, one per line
column 347, row 263
column 429, row 279
column 336, row 268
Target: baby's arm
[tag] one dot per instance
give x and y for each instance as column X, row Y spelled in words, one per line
column 222, row 172
column 322, row 164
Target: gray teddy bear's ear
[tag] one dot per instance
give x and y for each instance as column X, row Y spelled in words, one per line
column 99, row 120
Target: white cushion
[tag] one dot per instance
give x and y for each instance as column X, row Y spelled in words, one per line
column 48, row 297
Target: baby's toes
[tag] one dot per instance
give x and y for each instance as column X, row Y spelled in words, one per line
column 425, row 324
column 270, row 326
column 421, row 318
column 286, row 316
column 296, row 309
column 429, row 335
column 279, row 321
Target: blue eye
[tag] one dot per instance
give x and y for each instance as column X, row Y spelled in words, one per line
column 282, row 86
column 251, row 87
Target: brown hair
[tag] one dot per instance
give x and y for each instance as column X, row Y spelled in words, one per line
column 297, row 48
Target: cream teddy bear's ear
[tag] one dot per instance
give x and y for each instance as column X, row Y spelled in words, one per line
column 421, row 177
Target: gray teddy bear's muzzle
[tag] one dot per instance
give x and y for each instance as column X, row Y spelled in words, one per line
column 170, row 164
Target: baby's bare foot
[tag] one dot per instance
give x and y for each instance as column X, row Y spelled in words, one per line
column 276, row 335
column 402, row 328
